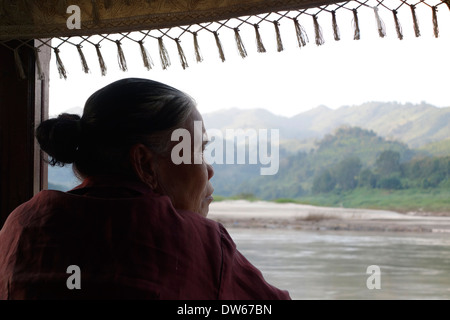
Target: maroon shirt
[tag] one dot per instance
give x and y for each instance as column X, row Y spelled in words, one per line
column 128, row 242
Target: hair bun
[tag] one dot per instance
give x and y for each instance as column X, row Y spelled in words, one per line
column 60, row 137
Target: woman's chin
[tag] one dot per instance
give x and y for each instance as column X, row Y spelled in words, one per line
column 204, row 209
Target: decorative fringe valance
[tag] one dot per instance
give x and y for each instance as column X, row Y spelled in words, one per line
column 313, row 17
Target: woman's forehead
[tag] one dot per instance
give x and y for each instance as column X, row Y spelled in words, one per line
column 194, row 120
column 195, row 115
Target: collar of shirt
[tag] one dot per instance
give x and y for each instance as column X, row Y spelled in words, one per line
column 113, row 186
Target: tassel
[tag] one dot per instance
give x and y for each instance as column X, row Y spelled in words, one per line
column 239, row 43
column 95, row 12
column 415, row 22
column 318, row 32
column 398, row 27
column 163, row 54
column 100, row 60
column 302, row 37
column 198, row 55
column 60, row 65
column 380, row 23
column 19, row 64
column 357, row 34
column 259, row 44
column 41, row 75
column 335, row 26
column 83, row 59
column 435, row 22
column 278, row 35
column 183, row 60
column 148, row 62
column 219, row 46
column 121, row 56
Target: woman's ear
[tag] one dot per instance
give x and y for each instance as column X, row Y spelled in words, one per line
column 142, row 161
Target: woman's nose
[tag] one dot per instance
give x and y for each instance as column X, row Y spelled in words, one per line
column 210, row 171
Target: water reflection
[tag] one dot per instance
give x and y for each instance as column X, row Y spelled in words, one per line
column 332, row 265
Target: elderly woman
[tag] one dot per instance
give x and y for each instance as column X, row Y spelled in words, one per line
column 136, row 227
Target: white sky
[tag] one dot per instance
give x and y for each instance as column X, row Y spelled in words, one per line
column 345, row 72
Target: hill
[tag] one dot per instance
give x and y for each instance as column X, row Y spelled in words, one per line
column 438, row 148
column 413, row 124
column 297, row 171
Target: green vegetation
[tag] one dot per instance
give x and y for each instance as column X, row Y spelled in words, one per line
column 354, row 168
column 427, row 200
column 421, row 200
column 438, row 148
column 388, row 173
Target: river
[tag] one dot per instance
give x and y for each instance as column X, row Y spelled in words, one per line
column 333, row 264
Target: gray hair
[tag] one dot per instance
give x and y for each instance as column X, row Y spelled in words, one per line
column 115, row 118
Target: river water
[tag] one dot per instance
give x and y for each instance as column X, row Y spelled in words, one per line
column 333, row 264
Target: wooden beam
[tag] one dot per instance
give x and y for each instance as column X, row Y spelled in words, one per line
column 23, row 105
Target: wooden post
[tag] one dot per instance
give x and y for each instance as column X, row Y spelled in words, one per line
column 23, row 105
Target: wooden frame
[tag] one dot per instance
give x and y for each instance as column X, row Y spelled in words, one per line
column 23, row 105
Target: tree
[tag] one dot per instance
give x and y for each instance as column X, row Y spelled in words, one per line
column 390, row 182
column 367, row 179
column 426, row 172
column 346, row 173
column 324, row 182
column 388, row 162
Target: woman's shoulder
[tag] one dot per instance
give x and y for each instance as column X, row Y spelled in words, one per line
column 40, row 200
column 27, row 216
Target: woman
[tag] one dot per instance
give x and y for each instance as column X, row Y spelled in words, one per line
column 136, row 227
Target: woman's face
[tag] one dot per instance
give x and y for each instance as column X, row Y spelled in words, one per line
column 187, row 184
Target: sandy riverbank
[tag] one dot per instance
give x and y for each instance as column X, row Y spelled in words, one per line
column 261, row 214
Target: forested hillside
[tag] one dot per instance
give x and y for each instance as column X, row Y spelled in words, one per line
column 414, row 124
column 349, row 158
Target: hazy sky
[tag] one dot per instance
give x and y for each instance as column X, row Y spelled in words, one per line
column 345, row 72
